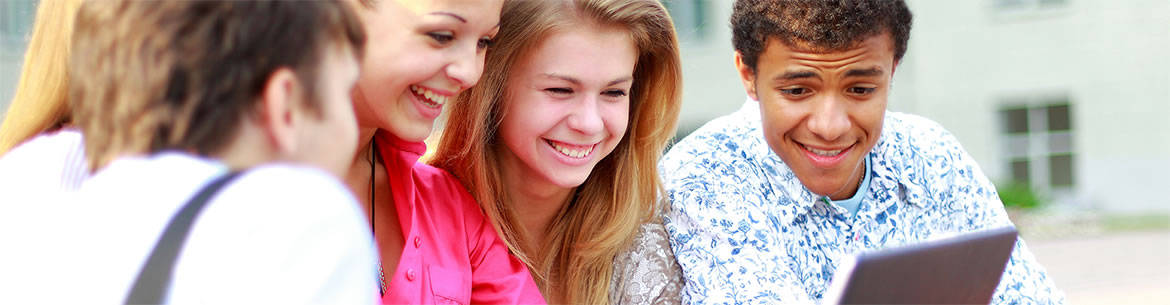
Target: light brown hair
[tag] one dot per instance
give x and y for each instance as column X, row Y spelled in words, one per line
column 184, row 75
column 622, row 191
column 40, row 103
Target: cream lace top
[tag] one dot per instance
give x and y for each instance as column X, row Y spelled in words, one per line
column 647, row 272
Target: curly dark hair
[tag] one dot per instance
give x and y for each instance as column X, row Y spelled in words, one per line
column 826, row 25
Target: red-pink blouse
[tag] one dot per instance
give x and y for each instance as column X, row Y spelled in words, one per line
column 451, row 255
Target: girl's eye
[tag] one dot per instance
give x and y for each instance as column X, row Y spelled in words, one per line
column 614, row 93
column 559, row 90
column 485, row 43
column 442, row 37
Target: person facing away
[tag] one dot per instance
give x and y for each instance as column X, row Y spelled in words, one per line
column 434, row 242
column 171, row 95
column 40, row 151
column 559, row 144
column 767, row 201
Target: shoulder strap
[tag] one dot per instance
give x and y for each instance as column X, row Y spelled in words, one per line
column 155, row 277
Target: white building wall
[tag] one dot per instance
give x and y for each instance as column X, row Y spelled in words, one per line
column 1109, row 57
column 16, row 18
column 711, row 85
column 9, row 74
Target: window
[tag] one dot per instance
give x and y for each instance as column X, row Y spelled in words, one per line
column 1037, row 138
column 690, row 18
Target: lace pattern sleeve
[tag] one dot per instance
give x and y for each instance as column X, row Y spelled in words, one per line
column 647, row 272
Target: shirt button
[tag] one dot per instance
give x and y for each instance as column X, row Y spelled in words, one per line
column 410, row 274
column 417, row 242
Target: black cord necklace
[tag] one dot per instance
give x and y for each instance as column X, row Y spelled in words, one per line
column 372, row 157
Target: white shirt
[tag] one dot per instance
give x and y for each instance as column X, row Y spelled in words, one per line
column 276, row 235
column 52, row 162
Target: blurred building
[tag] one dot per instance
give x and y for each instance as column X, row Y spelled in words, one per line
column 1069, row 96
column 15, row 22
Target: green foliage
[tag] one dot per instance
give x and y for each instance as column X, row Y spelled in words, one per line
column 1019, row 195
column 1150, row 221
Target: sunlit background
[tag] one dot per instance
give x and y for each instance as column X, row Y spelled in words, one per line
column 1065, row 104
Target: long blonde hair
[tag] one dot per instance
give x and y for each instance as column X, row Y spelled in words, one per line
column 622, row 191
column 41, row 100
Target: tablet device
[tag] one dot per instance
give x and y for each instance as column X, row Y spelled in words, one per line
column 963, row 269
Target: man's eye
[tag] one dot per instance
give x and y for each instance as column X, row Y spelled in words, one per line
column 861, row 90
column 794, row 91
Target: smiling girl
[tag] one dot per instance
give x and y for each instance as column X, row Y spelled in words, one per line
column 435, row 244
column 559, row 144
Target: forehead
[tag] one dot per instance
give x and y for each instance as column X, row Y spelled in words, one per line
column 592, row 48
column 459, row 7
column 876, row 49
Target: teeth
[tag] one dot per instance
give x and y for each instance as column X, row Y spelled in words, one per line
column 434, row 100
column 826, row 153
column 574, row 153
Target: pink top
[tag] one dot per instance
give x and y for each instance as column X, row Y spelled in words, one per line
column 452, row 254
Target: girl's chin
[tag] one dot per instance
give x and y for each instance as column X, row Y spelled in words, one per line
column 570, row 182
column 416, row 132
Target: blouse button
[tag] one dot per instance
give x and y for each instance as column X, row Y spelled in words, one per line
column 417, row 242
column 410, row 274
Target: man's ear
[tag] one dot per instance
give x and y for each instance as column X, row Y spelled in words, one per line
column 746, row 74
column 277, row 110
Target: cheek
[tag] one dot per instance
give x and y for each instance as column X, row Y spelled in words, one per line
column 871, row 116
column 392, row 64
column 779, row 120
column 519, row 124
column 773, row 134
column 617, row 119
column 379, row 79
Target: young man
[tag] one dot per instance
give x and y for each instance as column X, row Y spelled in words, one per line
column 767, row 201
column 171, row 95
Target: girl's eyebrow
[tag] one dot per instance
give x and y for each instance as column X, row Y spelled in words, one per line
column 450, row 14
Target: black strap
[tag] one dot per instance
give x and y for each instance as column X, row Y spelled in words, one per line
column 155, row 277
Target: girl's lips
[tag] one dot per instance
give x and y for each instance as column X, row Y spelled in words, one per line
column 429, row 102
column 571, row 150
column 571, row 154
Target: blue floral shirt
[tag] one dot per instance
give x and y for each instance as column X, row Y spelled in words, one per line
column 746, row 231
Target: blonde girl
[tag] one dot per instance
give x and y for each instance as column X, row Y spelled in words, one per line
column 40, row 154
column 40, row 102
column 560, row 140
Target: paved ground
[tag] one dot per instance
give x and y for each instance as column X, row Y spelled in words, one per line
column 1111, row 268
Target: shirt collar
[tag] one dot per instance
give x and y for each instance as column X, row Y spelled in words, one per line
column 853, row 204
